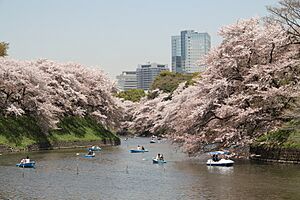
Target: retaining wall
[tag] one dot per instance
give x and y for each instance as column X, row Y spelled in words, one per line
column 275, row 154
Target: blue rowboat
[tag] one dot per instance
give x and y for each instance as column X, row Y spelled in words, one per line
column 155, row 161
column 26, row 165
column 138, row 151
column 94, row 148
column 89, row 156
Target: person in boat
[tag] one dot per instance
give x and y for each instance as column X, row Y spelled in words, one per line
column 139, row 147
column 143, row 148
column 161, row 157
column 90, row 152
column 25, row 160
column 158, row 156
column 215, row 158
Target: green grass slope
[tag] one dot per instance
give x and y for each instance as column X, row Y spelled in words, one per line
column 80, row 129
column 20, row 132
column 286, row 137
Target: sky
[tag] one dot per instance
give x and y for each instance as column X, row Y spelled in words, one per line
column 113, row 35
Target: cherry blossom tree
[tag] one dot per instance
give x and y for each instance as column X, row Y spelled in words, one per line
column 48, row 91
column 288, row 14
column 252, row 77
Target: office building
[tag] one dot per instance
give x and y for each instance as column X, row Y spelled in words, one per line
column 176, row 54
column 187, row 50
column 146, row 74
column 127, row 80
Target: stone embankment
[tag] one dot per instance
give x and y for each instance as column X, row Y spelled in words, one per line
column 275, row 154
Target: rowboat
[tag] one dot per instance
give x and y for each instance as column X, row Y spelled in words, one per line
column 152, row 141
column 89, row 155
column 30, row 164
column 155, row 161
column 138, row 150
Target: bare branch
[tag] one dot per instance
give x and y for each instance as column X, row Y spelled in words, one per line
column 288, row 13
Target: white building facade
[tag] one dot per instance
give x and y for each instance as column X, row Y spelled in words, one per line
column 147, row 73
column 127, row 80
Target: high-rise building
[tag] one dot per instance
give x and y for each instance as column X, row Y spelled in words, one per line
column 187, row 49
column 146, row 74
column 176, row 54
column 127, row 80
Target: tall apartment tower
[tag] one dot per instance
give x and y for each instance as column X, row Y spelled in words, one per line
column 187, row 49
column 146, row 74
column 127, row 80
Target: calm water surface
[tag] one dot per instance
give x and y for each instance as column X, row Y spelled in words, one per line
column 116, row 174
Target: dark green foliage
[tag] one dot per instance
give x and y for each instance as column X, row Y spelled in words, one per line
column 153, row 94
column 134, row 95
column 3, row 48
column 169, row 81
column 275, row 138
column 287, row 136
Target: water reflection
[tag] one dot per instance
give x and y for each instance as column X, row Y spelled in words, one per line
column 220, row 170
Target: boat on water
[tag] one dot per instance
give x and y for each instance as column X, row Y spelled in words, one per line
column 138, row 150
column 89, row 155
column 215, row 161
column 30, row 164
column 152, row 141
column 157, row 161
column 221, row 162
column 94, row 148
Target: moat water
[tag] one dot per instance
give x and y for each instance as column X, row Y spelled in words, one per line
column 117, row 174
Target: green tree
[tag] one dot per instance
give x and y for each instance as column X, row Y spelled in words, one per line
column 169, row 81
column 134, row 95
column 3, row 48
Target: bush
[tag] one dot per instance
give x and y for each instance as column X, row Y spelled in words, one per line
column 133, row 95
column 169, row 81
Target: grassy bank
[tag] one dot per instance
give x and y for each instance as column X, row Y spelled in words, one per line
column 286, row 137
column 20, row 132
